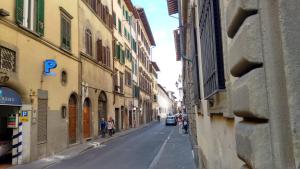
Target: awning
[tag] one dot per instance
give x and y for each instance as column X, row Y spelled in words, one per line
column 9, row 97
column 172, row 6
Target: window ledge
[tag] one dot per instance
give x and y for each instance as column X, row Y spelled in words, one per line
column 29, row 30
column 66, row 50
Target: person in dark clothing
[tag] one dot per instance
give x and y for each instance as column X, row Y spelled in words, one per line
column 185, row 125
column 103, row 127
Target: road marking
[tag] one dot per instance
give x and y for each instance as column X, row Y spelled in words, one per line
column 157, row 157
column 193, row 154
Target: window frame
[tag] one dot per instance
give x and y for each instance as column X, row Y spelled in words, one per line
column 89, row 42
column 67, row 19
column 211, row 48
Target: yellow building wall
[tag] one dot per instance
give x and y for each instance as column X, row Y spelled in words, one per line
column 31, row 52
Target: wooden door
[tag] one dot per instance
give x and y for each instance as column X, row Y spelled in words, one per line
column 117, row 119
column 72, row 119
column 86, row 119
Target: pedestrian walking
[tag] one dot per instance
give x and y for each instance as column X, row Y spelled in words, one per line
column 180, row 123
column 110, row 126
column 185, row 126
column 103, row 126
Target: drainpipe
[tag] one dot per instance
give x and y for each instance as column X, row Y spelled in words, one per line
column 113, row 56
column 79, row 112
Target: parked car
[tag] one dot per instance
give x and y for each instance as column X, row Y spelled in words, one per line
column 171, row 120
column 5, row 148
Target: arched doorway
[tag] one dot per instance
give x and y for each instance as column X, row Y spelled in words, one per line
column 86, row 118
column 72, row 119
column 102, row 106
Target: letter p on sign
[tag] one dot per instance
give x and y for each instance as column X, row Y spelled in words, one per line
column 48, row 65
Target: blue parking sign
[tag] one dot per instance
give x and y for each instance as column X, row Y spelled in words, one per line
column 24, row 114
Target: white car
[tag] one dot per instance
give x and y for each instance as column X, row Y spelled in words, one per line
column 171, row 120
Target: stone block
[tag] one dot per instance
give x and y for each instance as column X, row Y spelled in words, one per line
column 245, row 52
column 253, row 144
column 237, row 12
column 249, row 95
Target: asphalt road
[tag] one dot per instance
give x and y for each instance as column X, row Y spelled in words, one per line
column 154, row 147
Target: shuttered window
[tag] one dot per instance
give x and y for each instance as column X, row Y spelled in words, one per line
column 30, row 14
column 101, row 10
column 115, row 19
column 122, row 56
column 121, row 82
column 128, row 78
column 119, row 26
column 211, row 47
column 104, row 55
column 65, row 32
column 99, row 50
column 108, row 57
column 88, row 42
column 136, row 91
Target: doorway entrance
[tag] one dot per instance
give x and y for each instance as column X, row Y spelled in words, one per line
column 10, row 103
column 130, row 118
column 6, row 134
column 102, row 106
column 87, row 118
column 72, row 119
column 117, row 119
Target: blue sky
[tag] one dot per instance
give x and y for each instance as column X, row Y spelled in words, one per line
column 162, row 26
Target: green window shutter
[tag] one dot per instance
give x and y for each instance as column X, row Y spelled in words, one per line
column 19, row 11
column 122, row 57
column 115, row 19
column 62, row 32
column 40, row 17
column 119, row 26
column 118, row 52
column 69, row 35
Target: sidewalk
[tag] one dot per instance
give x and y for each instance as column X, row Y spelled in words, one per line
column 75, row 150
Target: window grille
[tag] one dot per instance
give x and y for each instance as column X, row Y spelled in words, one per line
column 7, row 59
column 211, row 48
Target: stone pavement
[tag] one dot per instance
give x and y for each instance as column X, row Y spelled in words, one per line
column 74, row 150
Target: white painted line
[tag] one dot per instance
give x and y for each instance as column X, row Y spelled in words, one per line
column 193, row 154
column 157, row 157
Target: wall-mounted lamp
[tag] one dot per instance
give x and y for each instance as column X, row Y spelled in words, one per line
column 4, row 12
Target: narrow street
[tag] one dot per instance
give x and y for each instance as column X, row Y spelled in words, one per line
column 154, row 147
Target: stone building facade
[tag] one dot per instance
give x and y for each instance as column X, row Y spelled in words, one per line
column 165, row 103
column 96, row 68
column 240, row 71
